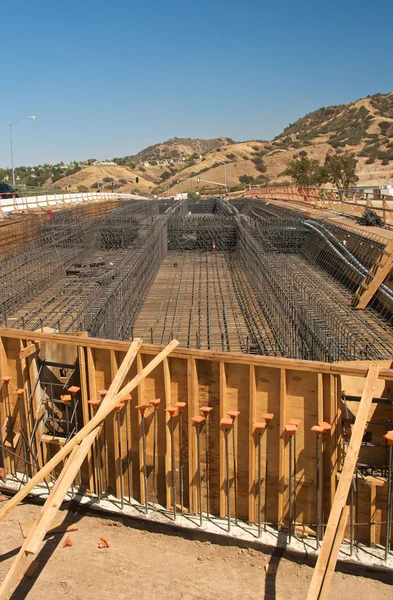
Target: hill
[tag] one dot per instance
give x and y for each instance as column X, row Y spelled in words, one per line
column 175, row 149
column 364, row 127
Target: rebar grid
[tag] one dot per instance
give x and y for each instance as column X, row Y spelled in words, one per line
column 194, row 301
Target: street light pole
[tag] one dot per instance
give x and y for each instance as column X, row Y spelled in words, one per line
column 225, row 174
column 12, row 152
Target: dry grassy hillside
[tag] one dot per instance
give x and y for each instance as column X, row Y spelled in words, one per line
column 364, row 127
column 123, row 179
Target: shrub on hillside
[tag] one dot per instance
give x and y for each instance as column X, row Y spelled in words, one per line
column 246, row 179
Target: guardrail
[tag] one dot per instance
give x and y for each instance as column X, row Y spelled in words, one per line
column 321, row 198
column 48, row 201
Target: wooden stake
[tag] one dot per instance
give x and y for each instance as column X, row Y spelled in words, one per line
column 327, row 558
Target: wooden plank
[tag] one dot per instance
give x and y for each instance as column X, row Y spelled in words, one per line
column 79, row 452
column 328, row 555
column 85, row 412
column 27, row 351
column 281, row 448
column 23, row 558
column 374, row 278
column 114, row 433
column 223, row 411
column 252, row 448
column 102, row 412
column 192, row 381
column 168, row 442
column 233, row 357
column 335, row 550
column 3, row 400
column 141, row 400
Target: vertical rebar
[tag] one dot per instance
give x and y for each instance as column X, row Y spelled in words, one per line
column 120, row 460
column 144, row 463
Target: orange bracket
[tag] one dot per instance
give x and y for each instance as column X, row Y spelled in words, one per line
column 156, row 403
column 74, row 389
column 290, row 429
column 259, row 427
column 66, row 398
column 325, row 426
column 233, row 414
column 318, row 430
column 94, row 403
column 389, row 437
column 226, row 423
column 197, row 421
column 6, row 379
column 206, row 410
column 142, row 408
column 180, row 406
column 19, row 392
column 171, row 410
column 268, row 417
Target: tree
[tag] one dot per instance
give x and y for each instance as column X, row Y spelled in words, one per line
column 246, row 179
column 305, row 171
column 165, row 175
column 340, row 170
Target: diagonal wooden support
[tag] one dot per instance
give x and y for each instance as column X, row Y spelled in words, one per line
column 324, row 569
column 79, row 451
column 374, row 278
column 92, row 424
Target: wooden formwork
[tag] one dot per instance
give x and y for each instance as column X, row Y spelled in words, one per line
column 254, row 385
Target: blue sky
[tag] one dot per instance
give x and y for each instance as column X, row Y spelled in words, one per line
column 107, row 79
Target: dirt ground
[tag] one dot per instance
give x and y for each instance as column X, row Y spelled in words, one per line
column 158, row 564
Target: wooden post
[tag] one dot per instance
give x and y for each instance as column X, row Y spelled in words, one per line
column 251, row 445
column 192, row 384
column 141, row 400
column 281, row 448
column 85, row 411
column 327, row 558
column 168, row 441
column 223, row 411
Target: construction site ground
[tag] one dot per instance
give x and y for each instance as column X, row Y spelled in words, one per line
column 159, row 564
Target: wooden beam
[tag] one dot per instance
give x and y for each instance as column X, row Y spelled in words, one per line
column 23, row 558
column 251, row 446
column 168, row 441
column 102, row 412
column 327, row 558
column 374, row 278
column 338, row 539
column 281, row 448
column 85, row 411
column 223, row 411
column 232, row 357
column 27, row 351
